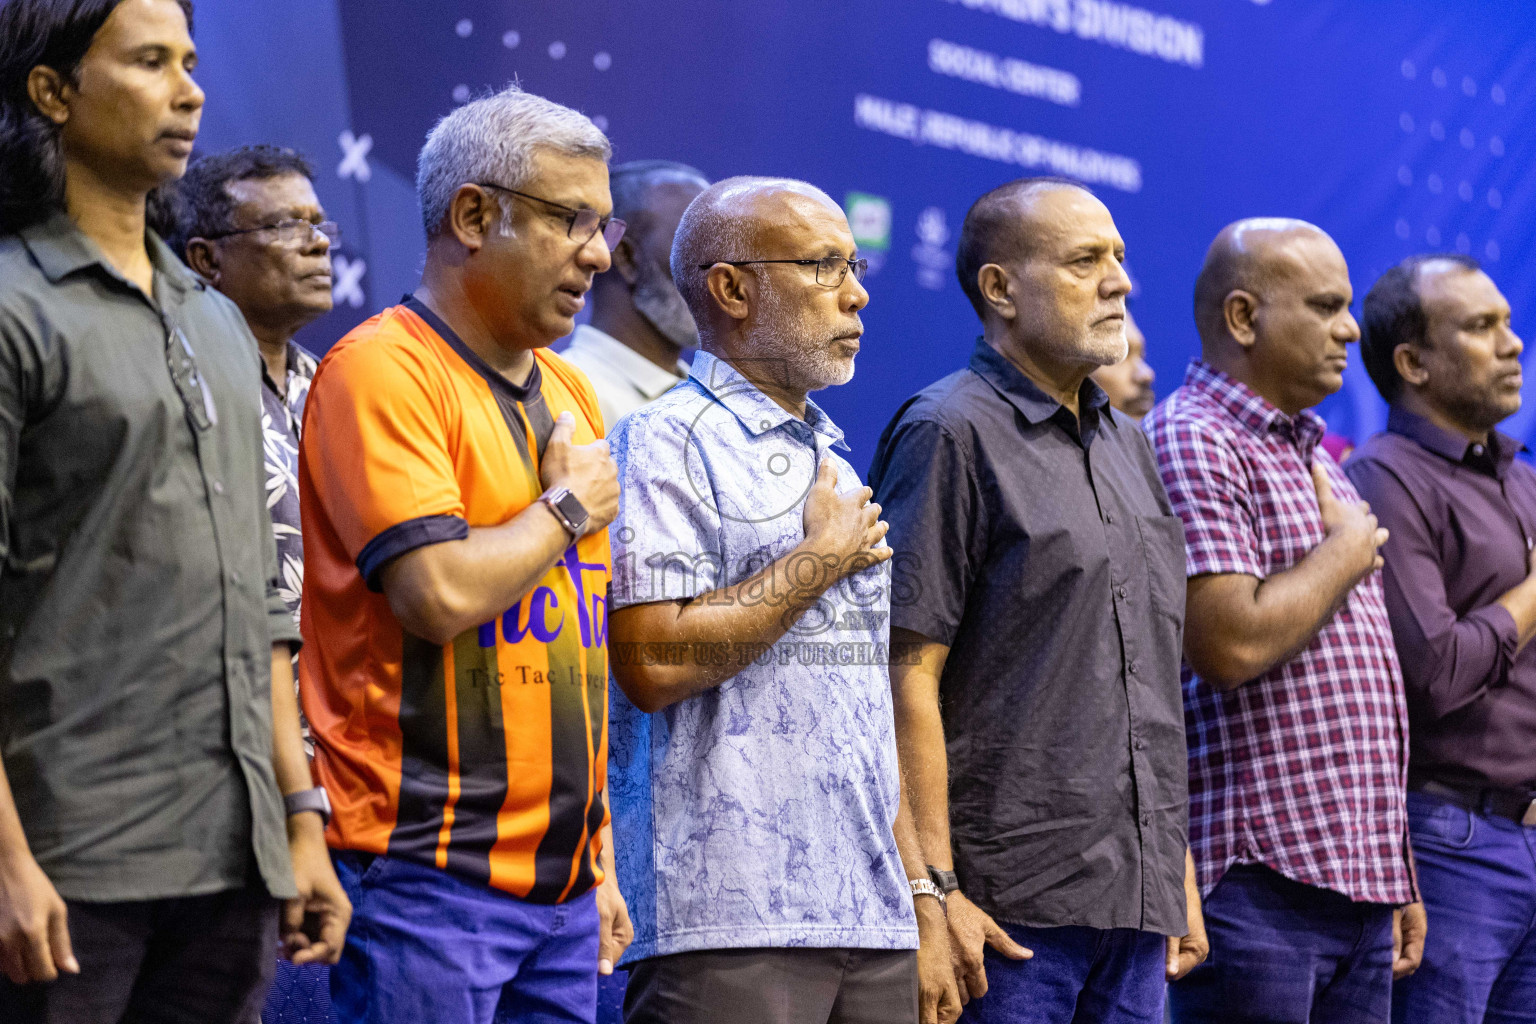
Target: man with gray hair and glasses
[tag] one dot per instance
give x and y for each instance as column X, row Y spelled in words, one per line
column 631, row 351
column 754, row 752
column 454, row 495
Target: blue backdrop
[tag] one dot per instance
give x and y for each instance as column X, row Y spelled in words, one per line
column 1391, row 123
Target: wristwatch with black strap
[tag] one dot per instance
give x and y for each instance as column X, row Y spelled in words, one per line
column 945, row 880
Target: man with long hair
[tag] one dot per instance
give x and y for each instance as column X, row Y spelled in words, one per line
column 148, row 726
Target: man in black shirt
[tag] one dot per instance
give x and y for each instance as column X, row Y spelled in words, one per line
column 1036, row 627
column 148, row 725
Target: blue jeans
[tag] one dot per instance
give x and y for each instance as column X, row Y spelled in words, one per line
column 1287, row 953
column 429, row 948
column 1478, row 877
column 1077, row 976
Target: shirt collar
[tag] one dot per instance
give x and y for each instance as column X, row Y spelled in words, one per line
column 1027, row 397
column 757, row 412
column 1254, row 411
column 61, row 248
column 646, row 377
column 1493, row 459
column 300, row 364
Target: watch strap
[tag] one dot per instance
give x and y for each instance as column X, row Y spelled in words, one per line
column 924, row 887
column 316, row 800
column 945, row 880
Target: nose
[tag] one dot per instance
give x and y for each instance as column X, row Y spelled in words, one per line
column 854, row 298
column 1144, row 372
column 1513, row 345
column 191, row 95
column 1347, row 329
column 595, row 255
column 1117, row 282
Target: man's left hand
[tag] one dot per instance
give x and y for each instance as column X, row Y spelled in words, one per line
column 1190, row 951
column 314, row 926
column 615, row 932
column 1409, row 926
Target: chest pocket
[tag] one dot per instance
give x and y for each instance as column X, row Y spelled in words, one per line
column 1162, row 543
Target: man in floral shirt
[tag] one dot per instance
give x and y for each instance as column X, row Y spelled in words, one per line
column 254, row 229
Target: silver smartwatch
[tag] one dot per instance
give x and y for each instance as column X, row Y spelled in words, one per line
column 568, row 509
column 309, row 800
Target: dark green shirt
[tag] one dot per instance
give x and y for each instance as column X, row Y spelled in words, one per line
column 138, row 591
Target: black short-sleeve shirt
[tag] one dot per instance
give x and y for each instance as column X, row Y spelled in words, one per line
column 1043, row 552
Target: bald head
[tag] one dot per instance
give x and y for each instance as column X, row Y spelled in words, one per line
column 737, row 219
column 1003, row 227
column 1272, row 307
column 1251, row 255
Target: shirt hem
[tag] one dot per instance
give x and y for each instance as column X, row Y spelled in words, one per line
column 799, row 937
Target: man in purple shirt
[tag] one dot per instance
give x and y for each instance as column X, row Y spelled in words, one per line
column 1292, row 692
column 1462, row 600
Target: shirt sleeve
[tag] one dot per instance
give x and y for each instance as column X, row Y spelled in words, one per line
column 375, row 444
column 1448, row 660
column 666, row 537
column 926, row 488
column 1208, row 489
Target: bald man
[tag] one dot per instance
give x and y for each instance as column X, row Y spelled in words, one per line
column 754, row 760
column 1293, row 695
column 632, row 350
column 1040, row 591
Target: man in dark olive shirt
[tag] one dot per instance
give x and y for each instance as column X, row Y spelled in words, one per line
column 148, row 724
column 1462, row 600
column 1037, row 612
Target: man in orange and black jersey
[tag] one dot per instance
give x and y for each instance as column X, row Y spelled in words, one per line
column 455, row 494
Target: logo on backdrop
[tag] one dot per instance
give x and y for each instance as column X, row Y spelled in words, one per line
column 934, row 262
column 869, row 217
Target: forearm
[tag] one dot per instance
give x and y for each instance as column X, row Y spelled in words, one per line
column 13, row 839
column 288, row 760
column 1236, row 633
column 672, row 650
column 916, row 667
column 439, row 591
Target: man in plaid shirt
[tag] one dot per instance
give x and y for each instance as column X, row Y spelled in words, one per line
column 1293, row 695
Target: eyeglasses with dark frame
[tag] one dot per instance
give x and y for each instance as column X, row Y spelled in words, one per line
column 581, row 222
column 291, row 232
column 831, row 271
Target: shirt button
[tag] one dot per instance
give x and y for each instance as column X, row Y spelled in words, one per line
column 235, row 576
column 1132, row 668
column 1109, row 518
column 218, row 488
column 1121, row 592
column 1140, row 744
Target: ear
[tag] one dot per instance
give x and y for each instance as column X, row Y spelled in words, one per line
column 734, row 290
column 626, row 262
column 997, row 290
column 203, row 257
column 49, row 92
column 1405, row 359
column 1240, row 310
column 472, row 215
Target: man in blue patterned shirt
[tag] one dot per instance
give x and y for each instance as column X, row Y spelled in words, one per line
column 753, row 782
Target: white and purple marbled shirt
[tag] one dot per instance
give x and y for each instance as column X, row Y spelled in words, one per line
column 759, row 813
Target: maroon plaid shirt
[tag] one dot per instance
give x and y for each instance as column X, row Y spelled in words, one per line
column 1304, row 768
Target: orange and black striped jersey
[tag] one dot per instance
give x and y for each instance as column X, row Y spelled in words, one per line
column 485, row 757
